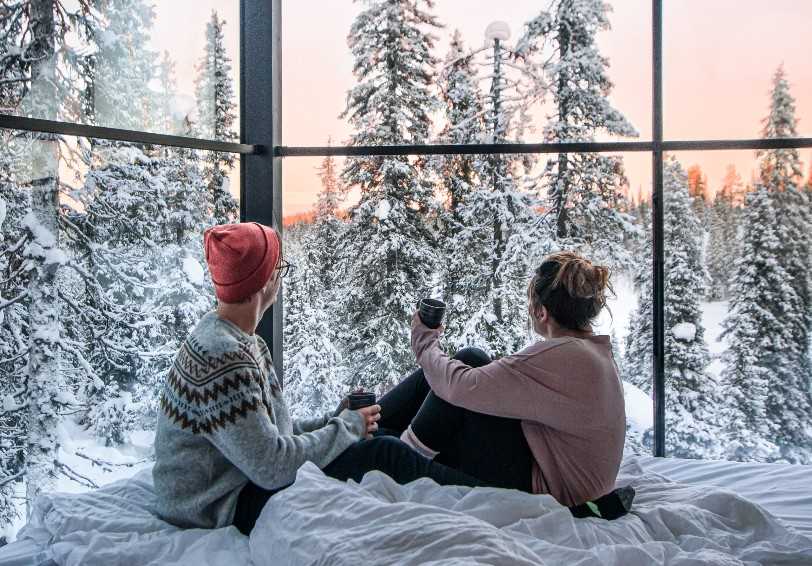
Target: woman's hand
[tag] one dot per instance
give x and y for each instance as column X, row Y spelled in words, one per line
column 372, row 415
column 417, row 322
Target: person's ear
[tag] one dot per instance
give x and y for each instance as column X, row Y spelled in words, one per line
column 542, row 314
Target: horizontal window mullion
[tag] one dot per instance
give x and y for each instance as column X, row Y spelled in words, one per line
column 592, row 147
column 461, row 149
column 130, row 136
column 722, row 145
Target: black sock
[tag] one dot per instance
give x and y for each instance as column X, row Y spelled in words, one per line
column 611, row 506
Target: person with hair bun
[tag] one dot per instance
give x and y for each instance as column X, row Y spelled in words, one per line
column 548, row 419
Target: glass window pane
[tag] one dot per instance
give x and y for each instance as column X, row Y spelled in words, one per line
column 720, row 62
column 125, row 64
column 458, row 74
column 102, row 275
column 737, row 306
column 363, row 258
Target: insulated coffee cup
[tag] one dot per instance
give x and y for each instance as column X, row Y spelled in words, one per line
column 361, row 400
column 431, row 312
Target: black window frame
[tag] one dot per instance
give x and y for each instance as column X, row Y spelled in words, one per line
column 262, row 152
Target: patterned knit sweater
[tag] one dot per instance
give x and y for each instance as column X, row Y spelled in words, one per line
column 223, row 421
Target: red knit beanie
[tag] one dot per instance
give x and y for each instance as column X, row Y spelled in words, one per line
column 241, row 258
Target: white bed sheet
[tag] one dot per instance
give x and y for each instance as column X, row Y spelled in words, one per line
column 116, row 525
column 783, row 489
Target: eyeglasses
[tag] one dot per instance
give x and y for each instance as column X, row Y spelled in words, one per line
column 284, row 268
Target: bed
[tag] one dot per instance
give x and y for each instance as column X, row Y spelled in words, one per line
column 686, row 512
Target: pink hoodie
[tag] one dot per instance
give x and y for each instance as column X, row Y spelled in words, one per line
column 566, row 392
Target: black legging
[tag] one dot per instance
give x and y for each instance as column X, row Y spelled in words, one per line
column 492, row 449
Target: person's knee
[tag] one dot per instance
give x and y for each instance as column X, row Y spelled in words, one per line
column 386, row 451
column 474, row 357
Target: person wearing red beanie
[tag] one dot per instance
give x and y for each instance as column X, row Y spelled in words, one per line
column 241, row 259
column 225, row 441
column 245, row 263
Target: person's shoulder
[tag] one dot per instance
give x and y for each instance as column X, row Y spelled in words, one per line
column 214, row 338
column 214, row 349
column 566, row 345
column 549, row 344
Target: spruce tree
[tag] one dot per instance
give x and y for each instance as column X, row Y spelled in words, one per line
column 781, row 173
column 637, row 365
column 216, row 119
column 123, row 66
column 34, row 64
column 761, row 362
column 328, row 227
column 691, row 400
column 583, row 190
column 388, row 247
column 459, row 177
column 723, row 240
column 487, row 215
column 690, row 423
column 698, row 189
column 313, row 367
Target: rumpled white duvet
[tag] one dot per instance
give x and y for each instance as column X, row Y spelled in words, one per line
column 322, row 521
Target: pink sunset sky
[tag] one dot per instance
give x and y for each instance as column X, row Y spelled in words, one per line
column 719, row 58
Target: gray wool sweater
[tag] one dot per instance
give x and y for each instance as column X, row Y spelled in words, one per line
column 223, row 421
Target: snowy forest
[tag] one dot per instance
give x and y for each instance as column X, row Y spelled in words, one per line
column 102, row 273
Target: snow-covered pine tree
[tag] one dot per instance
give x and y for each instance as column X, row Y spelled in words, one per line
column 584, row 190
column 761, row 362
column 690, row 423
column 123, row 67
column 114, row 332
column 489, row 219
column 14, row 332
column 388, row 248
column 504, row 212
column 463, row 239
column 328, row 227
column 781, row 173
column 691, row 392
column 313, row 365
column 637, row 365
column 167, row 118
column 723, row 241
column 33, row 35
column 216, row 109
column 698, row 189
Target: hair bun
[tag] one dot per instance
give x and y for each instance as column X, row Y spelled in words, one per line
column 580, row 277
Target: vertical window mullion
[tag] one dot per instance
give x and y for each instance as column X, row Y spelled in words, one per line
column 658, row 252
column 260, row 124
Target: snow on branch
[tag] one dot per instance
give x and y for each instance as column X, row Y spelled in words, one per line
column 107, row 465
column 72, row 474
column 5, row 304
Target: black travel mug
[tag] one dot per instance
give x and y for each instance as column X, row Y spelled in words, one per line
column 431, row 312
column 361, row 400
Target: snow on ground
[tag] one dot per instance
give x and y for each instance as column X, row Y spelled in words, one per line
column 639, row 408
column 621, row 305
